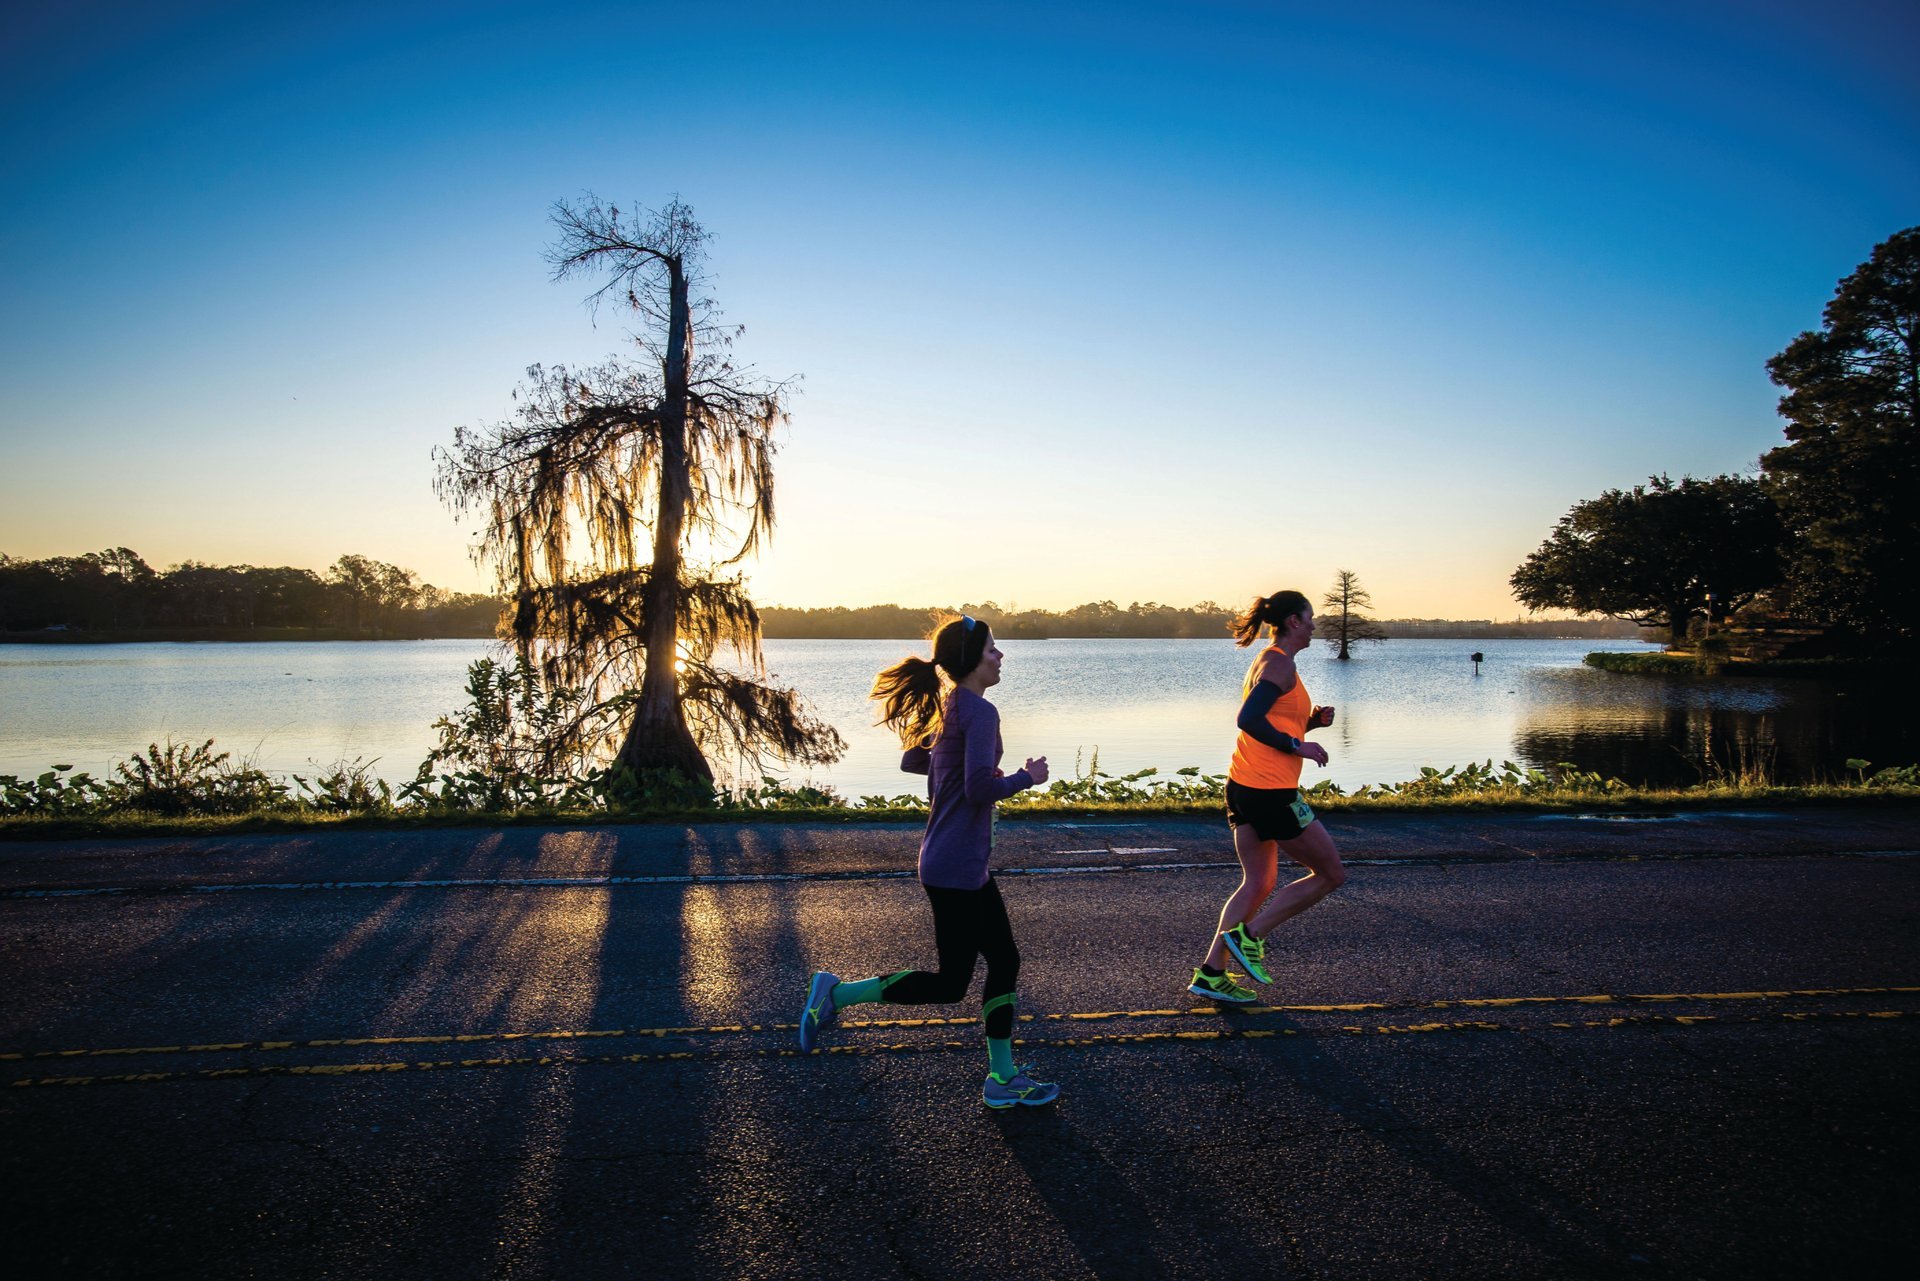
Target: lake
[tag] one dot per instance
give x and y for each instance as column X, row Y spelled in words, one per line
column 1138, row 703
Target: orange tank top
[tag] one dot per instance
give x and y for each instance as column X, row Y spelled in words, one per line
column 1254, row 763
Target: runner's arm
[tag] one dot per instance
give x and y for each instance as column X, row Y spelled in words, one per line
column 1253, row 720
column 981, row 783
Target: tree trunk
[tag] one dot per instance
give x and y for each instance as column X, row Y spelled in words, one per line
column 1678, row 616
column 659, row 737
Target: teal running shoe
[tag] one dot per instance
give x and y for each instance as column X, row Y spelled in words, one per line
column 820, row 1009
column 1220, row 989
column 1249, row 951
column 1019, row 1090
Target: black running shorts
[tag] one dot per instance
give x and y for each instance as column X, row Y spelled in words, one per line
column 1274, row 813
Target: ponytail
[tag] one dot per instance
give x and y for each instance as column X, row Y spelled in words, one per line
column 909, row 697
column 1272, row 611
column 910, row 692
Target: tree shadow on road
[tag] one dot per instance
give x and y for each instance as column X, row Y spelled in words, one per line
column 1533, row 1212
column 1094, row 1201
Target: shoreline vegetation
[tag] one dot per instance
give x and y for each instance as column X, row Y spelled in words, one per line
column 115, row 597
column 1143, row 621
column 1712, row 662
column 183, row 788
column 1036, row 625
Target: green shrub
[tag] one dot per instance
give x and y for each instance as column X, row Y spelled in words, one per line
column 1141, row 787
column 181, row 778
column 54, row 793
column 1483, row 779
column 348, row 787
column 773, row 794
column 621, row 790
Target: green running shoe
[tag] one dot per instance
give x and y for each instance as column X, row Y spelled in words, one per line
column 1018, row 1090
column 1249, row 951
column 819, row 1010
column 1220, row 989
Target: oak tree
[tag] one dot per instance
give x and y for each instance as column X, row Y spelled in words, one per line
column 1659, row 554
column 1848, row 478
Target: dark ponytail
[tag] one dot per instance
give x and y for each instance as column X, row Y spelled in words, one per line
column 1273, row 611
column 910, row 692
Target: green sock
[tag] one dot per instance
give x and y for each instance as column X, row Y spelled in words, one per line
column 999, row 1048
column 1000, row 1056
column 865, row 991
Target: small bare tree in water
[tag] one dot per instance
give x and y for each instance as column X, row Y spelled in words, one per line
column 593, row 491
column 1344, row 616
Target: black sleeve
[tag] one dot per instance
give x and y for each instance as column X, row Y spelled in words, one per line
column 1254, row 723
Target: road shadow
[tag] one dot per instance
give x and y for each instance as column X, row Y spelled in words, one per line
column 1574, row 1238
column 670, row 1159
column 1094, row 1201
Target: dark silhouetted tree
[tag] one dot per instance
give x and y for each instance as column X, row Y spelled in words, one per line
column 1848, row 478
column 1656, row 553
column 111, row 588
column 288, row 597
column 372, row 594
column 594, row 492
column 116, row 589
column 1343, row 614
column 199, row 595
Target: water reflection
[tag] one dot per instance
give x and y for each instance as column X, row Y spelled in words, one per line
column 1675, row 732
column 1138, row 703
column 1402, row 705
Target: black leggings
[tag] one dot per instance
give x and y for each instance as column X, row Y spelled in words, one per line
column 966, row 924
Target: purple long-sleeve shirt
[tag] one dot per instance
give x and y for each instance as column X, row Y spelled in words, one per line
column 962, row 788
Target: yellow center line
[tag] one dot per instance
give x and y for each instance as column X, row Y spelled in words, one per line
column 926, row 1047
column 721, row 1029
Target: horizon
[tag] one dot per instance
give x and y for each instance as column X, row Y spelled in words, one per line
column 1010, row 607
column 1175, row 302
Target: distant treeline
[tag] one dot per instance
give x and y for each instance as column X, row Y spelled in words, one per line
column 1518, row 629
column 1099, row 618
column 1105, row 618
column 116, row 595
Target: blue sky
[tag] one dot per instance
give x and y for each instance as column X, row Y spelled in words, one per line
column 1101, row 301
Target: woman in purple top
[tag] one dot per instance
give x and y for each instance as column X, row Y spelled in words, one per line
column 952, row 735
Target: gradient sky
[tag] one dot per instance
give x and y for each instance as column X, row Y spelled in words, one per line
column 1099, row 301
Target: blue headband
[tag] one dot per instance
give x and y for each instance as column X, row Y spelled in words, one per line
column 967, row 624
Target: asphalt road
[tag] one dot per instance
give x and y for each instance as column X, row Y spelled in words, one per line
column 1511, row 1046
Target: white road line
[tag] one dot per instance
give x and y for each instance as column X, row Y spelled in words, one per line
column 762, row 878
column 573, row 882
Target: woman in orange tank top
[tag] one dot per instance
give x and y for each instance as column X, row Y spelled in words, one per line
column 1263, row 799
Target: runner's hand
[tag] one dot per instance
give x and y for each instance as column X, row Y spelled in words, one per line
column 1037, row 770
column 1314, row 752
column 1322, row 717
